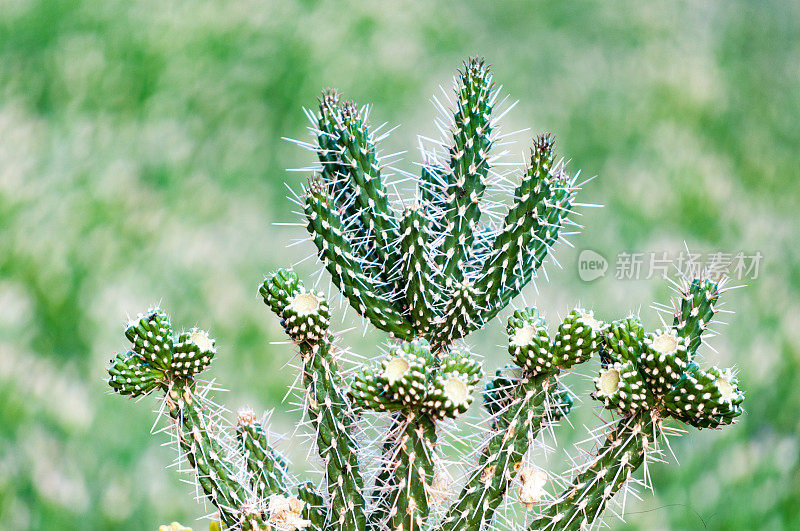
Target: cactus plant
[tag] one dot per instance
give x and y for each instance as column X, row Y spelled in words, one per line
column 429, row 271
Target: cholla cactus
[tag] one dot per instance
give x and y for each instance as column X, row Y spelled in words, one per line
column 430, row 271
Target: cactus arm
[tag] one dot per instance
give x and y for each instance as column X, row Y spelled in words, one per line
column 422, row 291
column 359, row 156
column 498, row 464
column 204, row 453
column 432, row 188
column 695, row 311
column 335, row 177
column 314, row 510
column 366, row 296
column 415, row 439
column 335, row 172
column 519, row 224
column 267, row 467
column 328, row 407
column 333, row 420
column 584, row 500
column 469, row 164
column 549, row 218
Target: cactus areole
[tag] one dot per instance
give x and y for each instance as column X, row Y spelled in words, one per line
column 429, row 268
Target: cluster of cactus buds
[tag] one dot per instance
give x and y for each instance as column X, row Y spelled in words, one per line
column 429, row 271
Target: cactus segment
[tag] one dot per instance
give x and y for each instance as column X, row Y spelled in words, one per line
column 512, row 243
column 623, row 341
column 469, row 164
column 304, row 314
column 267, row 467
column 663, row 360
column 451, row 388
column 461, row 314
column 314, row 509
column 192, row 353
column 577, row 338
column 130, row 375
column 528, row 342
column 696, row 310
column 359, row 156
column 706, row 399
column 516, row 426
column 422, row 291
column 366, row 296
column 623, row 452
column 328, row 409
column 152, row 337
column 414, row 438
column 620, row 387
column 205, row 453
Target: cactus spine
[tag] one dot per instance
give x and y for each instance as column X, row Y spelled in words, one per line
column 430, row 270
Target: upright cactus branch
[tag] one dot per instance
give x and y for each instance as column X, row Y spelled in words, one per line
column 464, row 287
column 429, row 270
column 305, row 317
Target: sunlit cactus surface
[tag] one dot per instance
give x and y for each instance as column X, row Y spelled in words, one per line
column 430, row 257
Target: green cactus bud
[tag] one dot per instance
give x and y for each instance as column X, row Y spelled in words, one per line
column 130, row 375
column 620, row 387
column 401, row 379
column 663, row 360
column 528, row 342
column 151, row 335
column 706, row 399
column 450, row 391
column 277, row 290
column 577, row 338
column 404, row 373
column 193, row 352
column 307, row 316
column 623, row 341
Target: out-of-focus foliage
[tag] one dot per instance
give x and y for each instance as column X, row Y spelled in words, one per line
column 141, row 161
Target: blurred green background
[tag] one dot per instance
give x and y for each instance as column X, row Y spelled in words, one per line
column 141, row 162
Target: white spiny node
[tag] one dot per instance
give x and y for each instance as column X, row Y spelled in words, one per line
column 305, row 303
column 396, row 368
column 246, row 416
column 608, row 382
column 285, row 513
column 532, row 482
